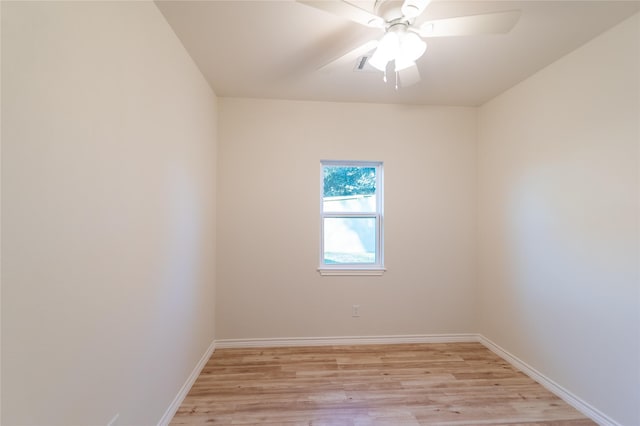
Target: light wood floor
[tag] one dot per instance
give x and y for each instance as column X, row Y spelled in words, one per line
column 416, row 384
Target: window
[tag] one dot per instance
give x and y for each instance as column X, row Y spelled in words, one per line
column 351, row 218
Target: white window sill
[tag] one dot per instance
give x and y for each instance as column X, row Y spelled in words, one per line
column 351, row 271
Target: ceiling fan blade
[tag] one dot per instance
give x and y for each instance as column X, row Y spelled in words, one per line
column 409, row 76
column 349, row 58
column 489, row 23
column 346, row 10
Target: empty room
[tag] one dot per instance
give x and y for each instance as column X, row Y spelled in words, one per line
column 327, row 212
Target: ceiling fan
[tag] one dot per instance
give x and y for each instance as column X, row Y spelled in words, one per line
column 404, row 28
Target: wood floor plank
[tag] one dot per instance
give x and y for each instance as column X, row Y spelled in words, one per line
column 410, row 384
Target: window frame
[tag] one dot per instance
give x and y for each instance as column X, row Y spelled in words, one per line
column 376, row 268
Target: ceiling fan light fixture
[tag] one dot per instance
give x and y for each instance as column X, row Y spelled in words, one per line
column 378, row 62
column 402, row 63
column 403, row 47
column 412, row 46
column 387, row 51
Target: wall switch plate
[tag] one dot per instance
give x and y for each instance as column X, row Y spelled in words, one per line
column 355, row 311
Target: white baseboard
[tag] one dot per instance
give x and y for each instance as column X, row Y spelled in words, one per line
column 184, row 390
column 568, row 397
column 571, row 399
column 345, row 340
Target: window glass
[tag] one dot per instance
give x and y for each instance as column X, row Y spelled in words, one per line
column 349, row 240
column 351, row 216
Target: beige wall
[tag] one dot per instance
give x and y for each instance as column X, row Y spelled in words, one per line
column 558, row 213
column 268, row 216
column 108, row 213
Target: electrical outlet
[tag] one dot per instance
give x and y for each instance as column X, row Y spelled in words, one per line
column 114, row 420
column 355, row 311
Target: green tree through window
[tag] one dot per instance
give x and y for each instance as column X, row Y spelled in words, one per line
column 341, row 181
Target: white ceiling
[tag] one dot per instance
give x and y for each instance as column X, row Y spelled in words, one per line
column 273, row 49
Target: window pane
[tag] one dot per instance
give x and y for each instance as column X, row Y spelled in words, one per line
column 349, row 240
column 349, row 189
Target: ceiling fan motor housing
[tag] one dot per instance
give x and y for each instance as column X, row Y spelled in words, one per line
column 394, row 10
column 389, row 10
